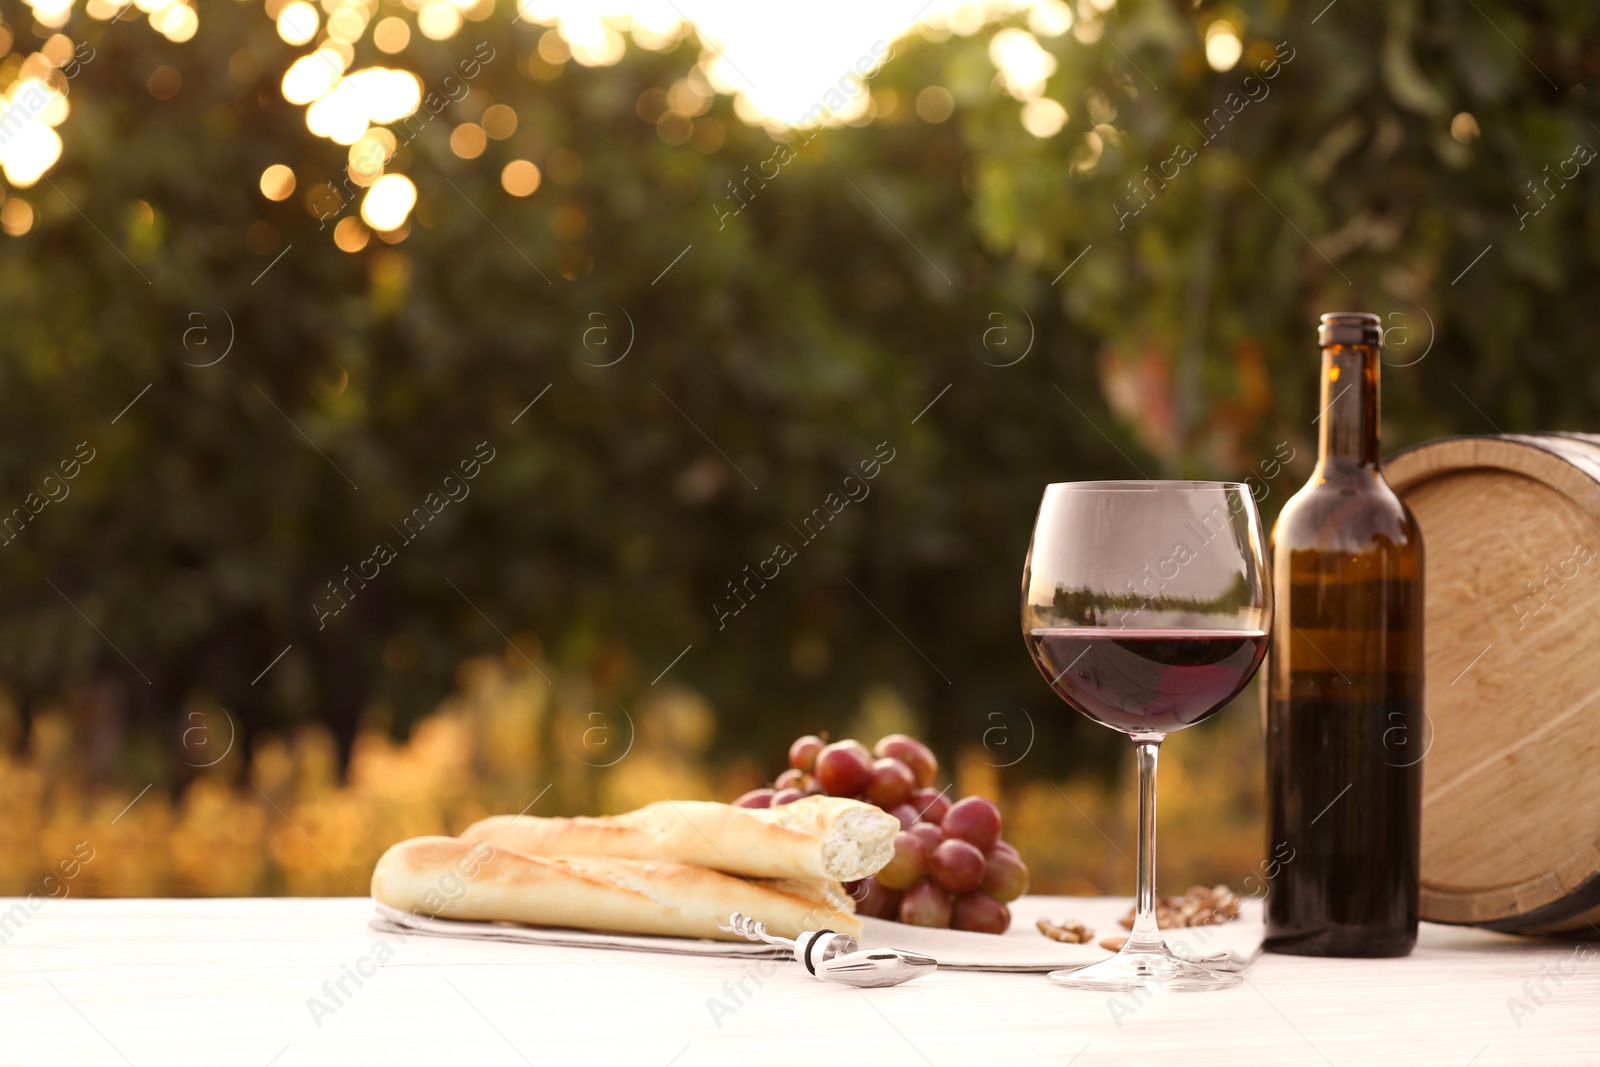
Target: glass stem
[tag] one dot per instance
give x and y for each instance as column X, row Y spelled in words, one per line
column 1146, row 936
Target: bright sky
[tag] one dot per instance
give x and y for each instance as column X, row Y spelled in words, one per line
column 779, row 59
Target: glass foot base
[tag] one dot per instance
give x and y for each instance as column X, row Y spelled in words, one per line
column 1151, row 970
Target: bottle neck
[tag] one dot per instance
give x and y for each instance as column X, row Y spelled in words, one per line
column 1348, row 425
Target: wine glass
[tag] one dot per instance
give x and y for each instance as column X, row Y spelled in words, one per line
column 1147, row 605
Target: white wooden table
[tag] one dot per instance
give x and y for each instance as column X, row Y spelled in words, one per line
column 227, row 982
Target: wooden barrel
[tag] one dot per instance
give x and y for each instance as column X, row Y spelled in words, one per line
column 1511, row 783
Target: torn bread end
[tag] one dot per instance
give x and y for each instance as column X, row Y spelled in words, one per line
column 860, row 843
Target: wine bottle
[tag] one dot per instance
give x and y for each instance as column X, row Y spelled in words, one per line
column 1344, row 719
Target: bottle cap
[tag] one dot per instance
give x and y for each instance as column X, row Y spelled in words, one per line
column 1350, row 328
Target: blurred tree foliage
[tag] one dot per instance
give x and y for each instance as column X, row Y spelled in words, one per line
column 887, row 267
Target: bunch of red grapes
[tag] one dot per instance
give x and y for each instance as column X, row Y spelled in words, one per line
column 950, row 867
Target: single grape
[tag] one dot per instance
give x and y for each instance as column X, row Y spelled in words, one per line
column 756, row 798
column 858, row 748
column 980, row 913
column 930, row 804
column 925, row 904
column 957, row 865
column 913, row 753
column 842, row 771
column 1006, row 846
column 973, row 819
column 906, row 814
column 891, row 784
column 790, row 779
column 803, row 753
column 930, row 833
column 909, row 863
column 1005, row 876
column 786, row 796
column 876, row 900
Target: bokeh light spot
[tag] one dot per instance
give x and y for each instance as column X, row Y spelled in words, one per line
column 520, row 178
column 176, row 23
column 347, row 24
column 1050, row 18
column 439, row 21
column 468, row 141
column 310, row 76
column 674, row 128
column 499, row 121
column 277, row 182
column 52, row 14
column 298, row 22
column 58, row 49
column 553, row 49
column 384, row 95
column 16, row 216
column 569, row 222
column 651, row 105
column 29, row 152
column 369, row 155
column 1023, row 65
column 935, row 104
column 1043, row 117
column 593, row 43
column 1223, row 47
column 388, row 202
column 690, row 96
column 708, row 136
column 350, row 235
column 396, row 235
column 391, row 35
column 164, row 82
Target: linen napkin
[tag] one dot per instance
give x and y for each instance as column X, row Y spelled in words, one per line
column 1021, row 949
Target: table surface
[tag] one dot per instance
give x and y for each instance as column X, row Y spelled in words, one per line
column 233, row 982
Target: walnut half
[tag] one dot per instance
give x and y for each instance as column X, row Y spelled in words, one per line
column 1071, row 931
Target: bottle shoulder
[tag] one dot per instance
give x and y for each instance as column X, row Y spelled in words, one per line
column 1346, row 513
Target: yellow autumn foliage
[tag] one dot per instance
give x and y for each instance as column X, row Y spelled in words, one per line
column 510, row 739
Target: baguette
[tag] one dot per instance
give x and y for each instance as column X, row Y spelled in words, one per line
column 818, row 837
column 449, row 878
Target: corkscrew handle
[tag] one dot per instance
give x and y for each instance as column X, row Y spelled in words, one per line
column 830, row 956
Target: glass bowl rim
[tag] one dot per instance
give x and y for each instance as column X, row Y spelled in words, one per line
column 1145, row 485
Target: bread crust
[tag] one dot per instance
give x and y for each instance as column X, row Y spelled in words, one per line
column 817, row 837
column 453, row 878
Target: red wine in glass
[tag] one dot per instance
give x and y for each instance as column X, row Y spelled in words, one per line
column 1147, row 607
column 1147, row 681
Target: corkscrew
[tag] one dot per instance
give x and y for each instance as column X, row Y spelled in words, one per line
column 834, row 957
